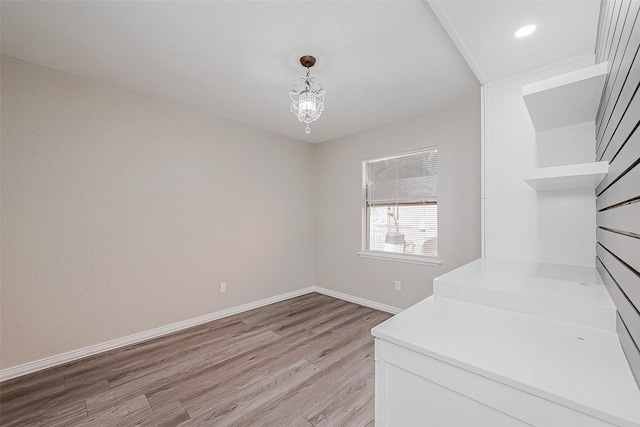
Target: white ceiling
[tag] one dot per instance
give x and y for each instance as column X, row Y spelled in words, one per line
column 380, row 61
column 483, row 30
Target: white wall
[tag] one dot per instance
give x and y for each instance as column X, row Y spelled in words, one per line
column 456, row 131
column 520, row 223
column 122, row 213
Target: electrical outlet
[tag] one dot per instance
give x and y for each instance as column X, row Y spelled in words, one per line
column 398, row 285
column 223, row 287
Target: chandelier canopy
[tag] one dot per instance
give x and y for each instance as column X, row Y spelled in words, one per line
column 308, row 102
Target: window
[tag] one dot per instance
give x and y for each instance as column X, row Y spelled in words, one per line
column 401, row 207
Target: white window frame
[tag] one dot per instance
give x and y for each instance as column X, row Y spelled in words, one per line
column 383, row 255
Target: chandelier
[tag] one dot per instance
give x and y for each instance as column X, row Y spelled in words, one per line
column 307, row 103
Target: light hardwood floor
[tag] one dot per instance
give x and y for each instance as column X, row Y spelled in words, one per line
column 306, row 361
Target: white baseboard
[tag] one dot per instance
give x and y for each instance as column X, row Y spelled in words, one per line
column 59, row 359
column 356, row 300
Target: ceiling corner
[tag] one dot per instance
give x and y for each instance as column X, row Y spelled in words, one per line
column 457, row 40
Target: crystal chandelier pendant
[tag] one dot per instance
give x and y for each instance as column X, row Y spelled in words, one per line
column 308, row 102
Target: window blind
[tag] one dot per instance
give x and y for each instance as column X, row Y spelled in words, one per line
column 408, row 178
column 401, row 194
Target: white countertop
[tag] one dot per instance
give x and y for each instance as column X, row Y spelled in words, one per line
column 574, row 294
column 577, row 366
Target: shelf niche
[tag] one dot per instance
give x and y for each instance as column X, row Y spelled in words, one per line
column 567, row 99
column 567, row 177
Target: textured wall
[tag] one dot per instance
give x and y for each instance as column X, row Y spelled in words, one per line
column 122, row 213
column 456, row 132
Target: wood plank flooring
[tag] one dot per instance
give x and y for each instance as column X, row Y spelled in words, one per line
column 306, row 361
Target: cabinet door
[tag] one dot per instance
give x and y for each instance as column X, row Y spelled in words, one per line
column 412, row 401
column 415, row 390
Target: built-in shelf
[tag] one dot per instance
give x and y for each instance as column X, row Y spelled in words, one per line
column 568, row 177
column 567, row 99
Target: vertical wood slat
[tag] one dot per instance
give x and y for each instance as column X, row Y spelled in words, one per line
column 625, row 307
column 628, row 346
column 624, row 247
column 622, row 87
column 601, row 25
column 618, row 142
column 627, row 283
column 626, row 188
column 623, row 161
column 625, row 217
column 619, row 67
column 615, row 23
column 609, row 23
column 616, row 52
column 627, row 121
column 602, row 28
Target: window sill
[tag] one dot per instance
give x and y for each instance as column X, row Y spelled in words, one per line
column 391, row 256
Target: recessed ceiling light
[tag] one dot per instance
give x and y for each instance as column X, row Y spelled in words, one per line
column 525, row 31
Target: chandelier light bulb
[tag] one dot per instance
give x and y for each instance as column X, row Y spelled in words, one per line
column 308, row 102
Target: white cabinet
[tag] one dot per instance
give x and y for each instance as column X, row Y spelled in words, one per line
column 413, row 397
column 448, row 361
column 418, row 390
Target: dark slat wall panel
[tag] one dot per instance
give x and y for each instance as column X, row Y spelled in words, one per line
column 625, row 308
column 604, row 4
column 618, row 142
column 609, row 24
column 624, row 189
column 623, row 118
column 620, row 75
column 604, row 22
column 623, row 218
column 623, row 162
column 627, row 341
column 628, row 284
column 617, row 55
column 624, row 247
